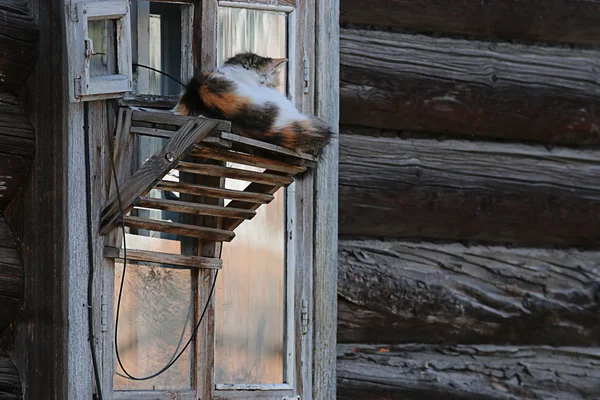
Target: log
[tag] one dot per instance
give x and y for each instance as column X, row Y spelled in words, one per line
column 459, row 190
column 17, row 145
column 18, row 44
column 398, row 292
column 11, row 279
column 459, row 87
column 559, row 21
column 416, row 371
column 10, row 384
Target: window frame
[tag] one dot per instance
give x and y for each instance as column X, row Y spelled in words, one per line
column 304, row 222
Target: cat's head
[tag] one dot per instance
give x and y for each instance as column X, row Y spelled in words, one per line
column 267, row 69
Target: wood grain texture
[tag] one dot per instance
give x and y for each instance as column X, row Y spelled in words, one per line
column 10, row 384
column 394, row 292
column 38, row 219
column 17, row 145
column 11, row 279
column 196, row 208
column 327, row 107
column 181, row 260
column 458, row 190
column 201, row 190
column 415, row 371
column 140, row 183
column 246, row 159
column 179, row 229
column 461, row 87
column 18, row 43
column 234, row 173
column 559, row 21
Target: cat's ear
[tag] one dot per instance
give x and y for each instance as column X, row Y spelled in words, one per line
column 276, row 63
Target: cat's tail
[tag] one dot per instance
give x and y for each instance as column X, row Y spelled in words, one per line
column 309, row 136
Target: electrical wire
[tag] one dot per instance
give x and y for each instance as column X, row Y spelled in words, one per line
column 212, row 289
column 159, row 71
column 90, row 245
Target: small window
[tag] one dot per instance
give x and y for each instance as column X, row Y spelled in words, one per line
column 101, row 48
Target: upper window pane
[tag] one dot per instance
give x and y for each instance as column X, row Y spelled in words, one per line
column 261, row 32
column 157, row 42
column 251, row 289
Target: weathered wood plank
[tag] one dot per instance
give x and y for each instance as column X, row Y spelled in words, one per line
column 17, row 145
column 169, row 118
column 560, row 21
column 253, row 143
column 415, row 371
column 461, row 87
column 246, row 159
column 10, row 384
column 201, row 190
column 11, row 281
column 196, row 208
column 181, row 260
column 394, row 292
column 140, row 183
column 457, row 190
column 179, row 229
column 18, row 44
column 234, row 173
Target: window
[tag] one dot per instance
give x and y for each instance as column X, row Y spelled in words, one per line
column 259, row 343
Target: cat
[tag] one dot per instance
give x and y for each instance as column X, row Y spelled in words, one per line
column 243, row 92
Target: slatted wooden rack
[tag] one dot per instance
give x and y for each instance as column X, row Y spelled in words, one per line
column 202, row 147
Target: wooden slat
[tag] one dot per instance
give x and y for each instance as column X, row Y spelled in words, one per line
column 242, row 196
column 150, row 101
column 234, row 173
column 155, row 168
column 179, row 229
column 467, row 87
column 164, row 258
column 509, row 19
column 246, row 159
column 266, row 146
column 195, row 208
column 231, row 224
column 169, row 118
column 164, row 133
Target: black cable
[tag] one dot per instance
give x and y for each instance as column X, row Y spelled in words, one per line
column 159, row 71
column 212, row 289
column 90, row 244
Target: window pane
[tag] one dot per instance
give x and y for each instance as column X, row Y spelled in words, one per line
column 157, row 37
column 102, row 34
column 251, row 292
column 154, row 324
column 257, row 31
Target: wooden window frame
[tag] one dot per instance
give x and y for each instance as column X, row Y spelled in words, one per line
column 311, row 216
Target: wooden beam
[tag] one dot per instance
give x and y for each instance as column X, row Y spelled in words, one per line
column 157, row 166
column 17, row 145
column 398, row 292
column 418, row 83
column 195, row 208
column 458, row 190
column 467, row 372
column 18, row 44
column 181, row 260
column 560, row 21
column 11, row 280
column 169, row 118
column 201, row 190
column 247, row 159
column 10, row 384
column 179, row 229
column 234, row 173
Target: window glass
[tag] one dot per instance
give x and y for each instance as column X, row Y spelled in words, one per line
column 154, row 324
column 250, row 300
column 101, row 32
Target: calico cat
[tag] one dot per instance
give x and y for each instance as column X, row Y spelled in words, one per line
column 243, row 92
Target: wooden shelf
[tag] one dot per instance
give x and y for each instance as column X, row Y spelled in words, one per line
column 202, row 147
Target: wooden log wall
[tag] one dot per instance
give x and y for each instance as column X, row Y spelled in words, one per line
column 11, row 277
column 469, row 211
column 10, row 385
